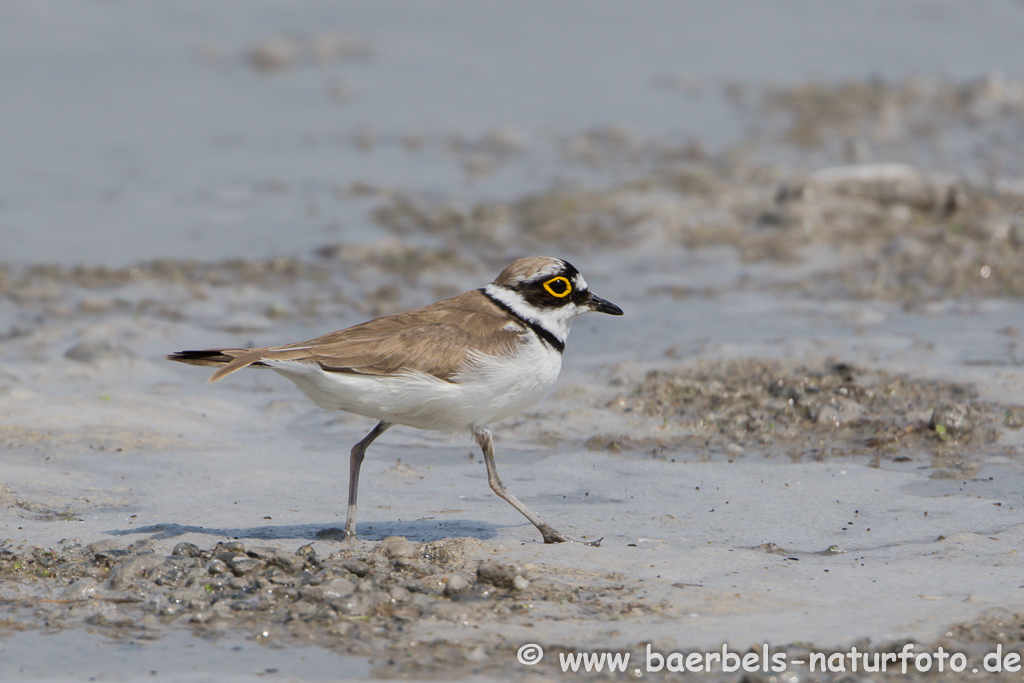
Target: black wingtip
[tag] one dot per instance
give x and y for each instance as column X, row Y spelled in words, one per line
column 200, row 357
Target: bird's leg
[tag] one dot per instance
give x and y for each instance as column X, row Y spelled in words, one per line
column 550, row 534
column 355, row 461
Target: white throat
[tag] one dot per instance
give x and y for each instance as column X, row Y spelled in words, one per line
column 557, row 321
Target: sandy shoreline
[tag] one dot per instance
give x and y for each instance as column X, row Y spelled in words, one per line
column 724, row 522
column 806, row 432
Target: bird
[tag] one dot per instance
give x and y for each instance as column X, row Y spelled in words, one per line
column 456, row 366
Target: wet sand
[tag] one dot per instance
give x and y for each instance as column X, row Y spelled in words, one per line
column 806, row 432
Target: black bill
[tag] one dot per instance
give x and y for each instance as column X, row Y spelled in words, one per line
column 601, row 306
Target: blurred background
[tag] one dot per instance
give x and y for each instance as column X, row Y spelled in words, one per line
column 136, row 131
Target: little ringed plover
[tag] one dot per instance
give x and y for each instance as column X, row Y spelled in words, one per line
column 456, row 365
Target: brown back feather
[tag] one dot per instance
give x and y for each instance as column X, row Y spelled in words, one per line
column 435, row 339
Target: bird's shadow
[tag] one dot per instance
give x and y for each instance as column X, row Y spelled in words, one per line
column 420, row 530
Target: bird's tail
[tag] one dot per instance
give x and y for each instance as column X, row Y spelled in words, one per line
column 230, row 360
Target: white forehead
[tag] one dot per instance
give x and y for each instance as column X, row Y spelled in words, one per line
column 554, row 268
column 550, row 269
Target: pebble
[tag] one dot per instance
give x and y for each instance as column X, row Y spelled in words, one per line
column 357, row 567
column 225, row 588
column 124, row 574
column 216, row 566
column 290, row 562
column 103, row 546
column 80, row 589
column 455, row 583
column 243, row 564
column 110, row 555
column 338, row 588
column 186, row 549
column 308, row 554
column 498, row 574
column 952, row 418
column 396, row 547
column 835, row 412
column 400, row 594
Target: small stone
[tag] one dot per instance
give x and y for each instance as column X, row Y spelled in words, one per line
column 217, row 567
column 307, row 552
column 398, row 547
column 835, row 411
column 455, row 583
column 290, row 562
column 101, row 546
column 399, row 594
column 520, row 583
column 247, row 604
column 146, row 545
column 308, row 578
column 204, row 617
column 951, row 419
column 124, row 574
column 231, row 547
column 185, row 549
column 243, row 564
column 81, row 589
column 281, row 579
column 330, row 534
column 102, row 619
column 498, row 574
column 357, row 567
column 300, row 610
column 105, row 552
column 218, row 581
column 338, row 588
column 171, row 572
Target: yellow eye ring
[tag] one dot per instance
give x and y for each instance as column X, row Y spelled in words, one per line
column 558, row 282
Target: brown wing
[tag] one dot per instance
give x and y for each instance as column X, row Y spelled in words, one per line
column 435, row 340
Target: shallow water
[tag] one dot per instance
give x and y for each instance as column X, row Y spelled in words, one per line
column 142, row 132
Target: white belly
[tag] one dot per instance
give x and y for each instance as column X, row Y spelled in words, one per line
column 490, row 388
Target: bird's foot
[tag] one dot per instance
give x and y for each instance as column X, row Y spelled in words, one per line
column 553, row 536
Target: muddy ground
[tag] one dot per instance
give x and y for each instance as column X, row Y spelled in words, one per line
column 805, row 433
column 368, row 601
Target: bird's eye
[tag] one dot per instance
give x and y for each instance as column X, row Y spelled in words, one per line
column 558, row 287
